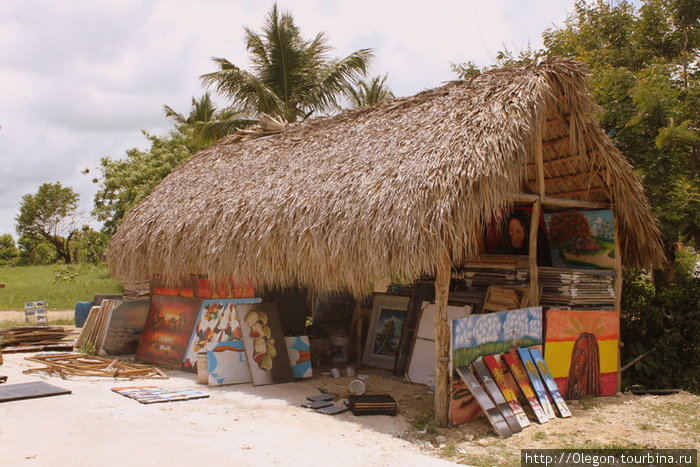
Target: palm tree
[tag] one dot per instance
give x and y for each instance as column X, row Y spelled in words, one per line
column 366, row 93
column 205, row 124
column 291, row 77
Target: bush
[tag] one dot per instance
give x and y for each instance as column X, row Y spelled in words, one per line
column 665, row 322
column 8, row 250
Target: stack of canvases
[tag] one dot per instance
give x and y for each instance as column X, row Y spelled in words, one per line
column 501, row 371
column 242, row 337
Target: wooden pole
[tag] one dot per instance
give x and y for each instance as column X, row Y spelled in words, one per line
column 442, row 340
column 561, row 202
column 532, row 251
column 535, row 219
column 618, row 288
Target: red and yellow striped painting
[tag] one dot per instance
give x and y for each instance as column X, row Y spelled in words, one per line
column 581, row 348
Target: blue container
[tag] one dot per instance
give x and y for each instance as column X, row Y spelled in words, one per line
column 82, row 310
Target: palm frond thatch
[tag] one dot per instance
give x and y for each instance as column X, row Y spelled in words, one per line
column 333, row 202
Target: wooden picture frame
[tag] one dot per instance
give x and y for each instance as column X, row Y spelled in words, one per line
column 384, row 332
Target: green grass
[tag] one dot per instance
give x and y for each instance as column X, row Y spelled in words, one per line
column 62, row 286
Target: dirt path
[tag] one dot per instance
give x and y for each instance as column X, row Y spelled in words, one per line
column 265, row 425
column 10, row 316
column 237, row 425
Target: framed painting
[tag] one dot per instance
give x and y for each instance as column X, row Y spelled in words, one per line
column 582, row 239
column 384, row 332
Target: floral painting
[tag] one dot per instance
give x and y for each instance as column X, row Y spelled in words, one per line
column 582, row 239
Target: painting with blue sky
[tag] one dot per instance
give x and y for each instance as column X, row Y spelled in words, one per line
column 477, row 335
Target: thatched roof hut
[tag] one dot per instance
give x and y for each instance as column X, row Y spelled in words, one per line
column 334, row 202
column 404, row 188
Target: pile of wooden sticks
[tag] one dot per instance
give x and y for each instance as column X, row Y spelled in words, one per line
column 79, row 364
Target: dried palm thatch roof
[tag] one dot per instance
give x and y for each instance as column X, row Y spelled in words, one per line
column 335, row 201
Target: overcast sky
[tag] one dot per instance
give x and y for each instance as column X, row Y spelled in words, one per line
column 79, row 80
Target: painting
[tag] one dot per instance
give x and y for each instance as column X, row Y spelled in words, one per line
column 223, row 289
column 492, row 333
column 520, row 375
column 126, row 326
column 582, row 239
column 549, row 382
column 299, row 352
column 264, row 343
column 536, row 381
column 217, row 321
column 168, row 329
column 463, row 406
column 153, row 394
column 477, row 335
column 511, row 236
column 227, row 363
column 499, row 372
column 581, row 351
column 385, row 327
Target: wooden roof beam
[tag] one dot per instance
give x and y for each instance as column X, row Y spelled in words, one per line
column 562, row 202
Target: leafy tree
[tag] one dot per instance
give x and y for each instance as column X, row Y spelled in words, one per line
column 644, row 68
column 8, row 250
column 89, row 246
column 49, row 215
column 366, row 93
column 291, row 77
column 127, row 181
column 34, row 249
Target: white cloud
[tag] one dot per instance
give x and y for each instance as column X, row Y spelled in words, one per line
column 80, row 79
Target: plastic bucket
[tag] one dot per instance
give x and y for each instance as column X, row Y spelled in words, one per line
column 339, row 348
column 202, row 368
column 82, row 310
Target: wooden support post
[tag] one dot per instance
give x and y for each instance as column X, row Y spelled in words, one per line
column 535, row 219
column 539, row 160
column 618, row 288
column 532, row 260
column 442, row 340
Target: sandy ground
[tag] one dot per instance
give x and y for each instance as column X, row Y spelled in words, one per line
column 237, row 425
column 18, row 316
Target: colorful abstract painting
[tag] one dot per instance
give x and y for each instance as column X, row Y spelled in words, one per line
column 228, row 364
column 266, row 350
column 217, row 322
column 168, row 329
column 582, row 239
column 299, row 352
column 492, row 333
column 581, row 351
